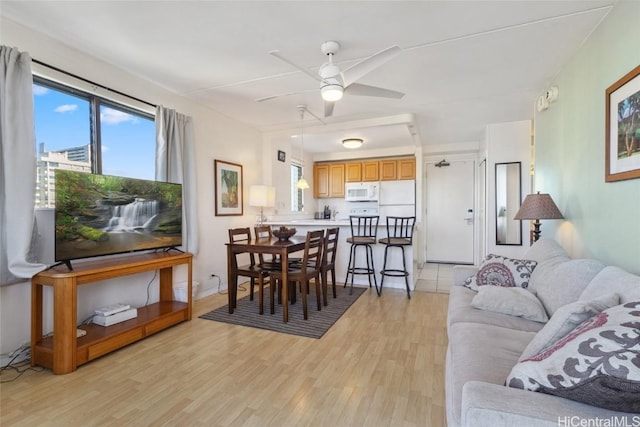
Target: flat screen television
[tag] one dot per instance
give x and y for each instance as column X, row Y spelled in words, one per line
column 98, row 215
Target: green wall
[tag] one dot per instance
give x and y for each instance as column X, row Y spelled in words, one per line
column 602, row 220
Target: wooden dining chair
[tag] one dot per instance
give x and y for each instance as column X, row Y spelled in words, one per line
column 329, row 260
column 302, row 273
column 252, row 270
column 264, row 232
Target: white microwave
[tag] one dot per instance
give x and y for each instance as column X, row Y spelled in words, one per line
column 361, row 191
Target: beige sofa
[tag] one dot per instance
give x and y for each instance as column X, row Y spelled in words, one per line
column 484, row 346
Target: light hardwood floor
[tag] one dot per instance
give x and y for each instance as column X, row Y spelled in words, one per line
column 381, row 364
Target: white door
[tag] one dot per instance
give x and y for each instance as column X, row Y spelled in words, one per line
column 450, row 225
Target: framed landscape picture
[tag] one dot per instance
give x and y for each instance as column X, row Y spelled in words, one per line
column 228, row 188
column 622, row 155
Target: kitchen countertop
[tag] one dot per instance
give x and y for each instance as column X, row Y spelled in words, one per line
column 310, row 222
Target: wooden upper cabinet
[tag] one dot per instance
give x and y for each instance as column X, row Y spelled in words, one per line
column 388, row 170
column 336, row 179
column 396, row 169
column 353, row 172
column 320, row 181
column 370, row 171
column 407, row 169
column 328, row 180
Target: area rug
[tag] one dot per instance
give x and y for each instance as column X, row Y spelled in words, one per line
column 319, row 322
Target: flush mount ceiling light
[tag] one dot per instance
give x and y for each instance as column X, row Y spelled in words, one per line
column 352, row 142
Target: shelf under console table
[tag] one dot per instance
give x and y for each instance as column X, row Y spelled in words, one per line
column 63, row 352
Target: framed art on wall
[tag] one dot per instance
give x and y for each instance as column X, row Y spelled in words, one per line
column 622, row 155
column 228, row 188
column 281, row 156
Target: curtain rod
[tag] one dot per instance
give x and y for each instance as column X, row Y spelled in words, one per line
column 92, row 82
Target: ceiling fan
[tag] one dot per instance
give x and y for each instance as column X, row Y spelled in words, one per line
column 334, row 82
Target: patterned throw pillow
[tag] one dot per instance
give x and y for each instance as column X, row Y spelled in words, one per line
column 497, row 270
column 597, row 363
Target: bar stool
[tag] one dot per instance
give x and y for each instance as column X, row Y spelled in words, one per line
column 364, row 231
column 399, row 235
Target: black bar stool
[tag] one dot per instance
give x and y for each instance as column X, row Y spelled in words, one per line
column 399, row 235
column 364, row 231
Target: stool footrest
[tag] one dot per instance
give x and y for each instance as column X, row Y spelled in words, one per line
column 394, row 273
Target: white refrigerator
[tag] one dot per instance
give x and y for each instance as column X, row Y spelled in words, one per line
column 397, row 198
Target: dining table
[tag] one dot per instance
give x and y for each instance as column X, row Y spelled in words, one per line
column 263, row 245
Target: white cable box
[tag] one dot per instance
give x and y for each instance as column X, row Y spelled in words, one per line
column 115, row 318
column 112, row 309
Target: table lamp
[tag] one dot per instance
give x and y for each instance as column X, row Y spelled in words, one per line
column 536, row 207
column 263, row 196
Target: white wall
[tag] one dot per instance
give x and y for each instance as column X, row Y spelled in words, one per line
column 601, row 219
column 217, row 137
column 507, row 142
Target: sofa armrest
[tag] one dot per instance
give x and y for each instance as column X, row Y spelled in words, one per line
column 491, row 405
column 462, row 272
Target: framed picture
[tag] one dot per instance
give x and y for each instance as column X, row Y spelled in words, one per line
column 281, row 156
column 623, row 128
column 228, row 188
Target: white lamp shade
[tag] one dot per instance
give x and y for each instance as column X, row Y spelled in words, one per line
column 262, row 195
column 302, row 184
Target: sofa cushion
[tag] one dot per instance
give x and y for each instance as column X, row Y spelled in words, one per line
column 565, row 319
column 544, row 250
column 560, row 283
column 511, row 301
column 497, row 270
column 613, row 279
column 479, row 353
column 597, row 363
column 460, row 310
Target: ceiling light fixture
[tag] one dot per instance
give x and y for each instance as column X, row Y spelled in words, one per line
column 352, row 142
column 331, row 92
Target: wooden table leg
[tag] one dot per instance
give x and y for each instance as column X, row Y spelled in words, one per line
column 285, row 285
column 64, row 326
column 231, row 280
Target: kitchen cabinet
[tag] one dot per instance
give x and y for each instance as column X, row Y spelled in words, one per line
column 362, row 171
column 397, row 169
column 371, row 171
column 328, row 180
column 353, row 172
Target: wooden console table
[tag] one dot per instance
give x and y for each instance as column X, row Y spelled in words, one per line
column 63, row 352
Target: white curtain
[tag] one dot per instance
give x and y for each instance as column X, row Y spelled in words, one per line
column 175, row 162
column 18, row 167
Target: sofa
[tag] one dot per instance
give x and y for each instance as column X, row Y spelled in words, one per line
column 485, row 345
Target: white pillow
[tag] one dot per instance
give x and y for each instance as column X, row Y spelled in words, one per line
column 497, row 270
column 513, row 301
column 564, row 320
column 596, row 363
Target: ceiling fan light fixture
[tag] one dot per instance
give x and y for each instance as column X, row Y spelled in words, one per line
column 331, row 92
column 352, row 142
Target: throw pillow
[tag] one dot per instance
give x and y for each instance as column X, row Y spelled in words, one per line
column 598, row 363
column 564, row 320
column 497, row 270
column 512, row 301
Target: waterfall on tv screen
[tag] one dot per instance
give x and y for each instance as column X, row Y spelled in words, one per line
column 134, row 216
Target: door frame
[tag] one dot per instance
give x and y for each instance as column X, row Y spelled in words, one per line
column 432, row 158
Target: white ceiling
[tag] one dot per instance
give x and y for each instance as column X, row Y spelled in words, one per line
column 464, row 64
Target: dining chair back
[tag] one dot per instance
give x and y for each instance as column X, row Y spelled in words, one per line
column 329, row 260
column 252, row 270
column 309, row 268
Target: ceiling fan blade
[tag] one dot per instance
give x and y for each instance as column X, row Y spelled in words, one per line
column 314, row 116
column 369, row 64
column 358, row 89
column 308, row 72
column 266, row 98
column 328, row 108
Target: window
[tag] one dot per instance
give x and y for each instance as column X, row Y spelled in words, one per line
column 297, row 202
column 80, row 131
